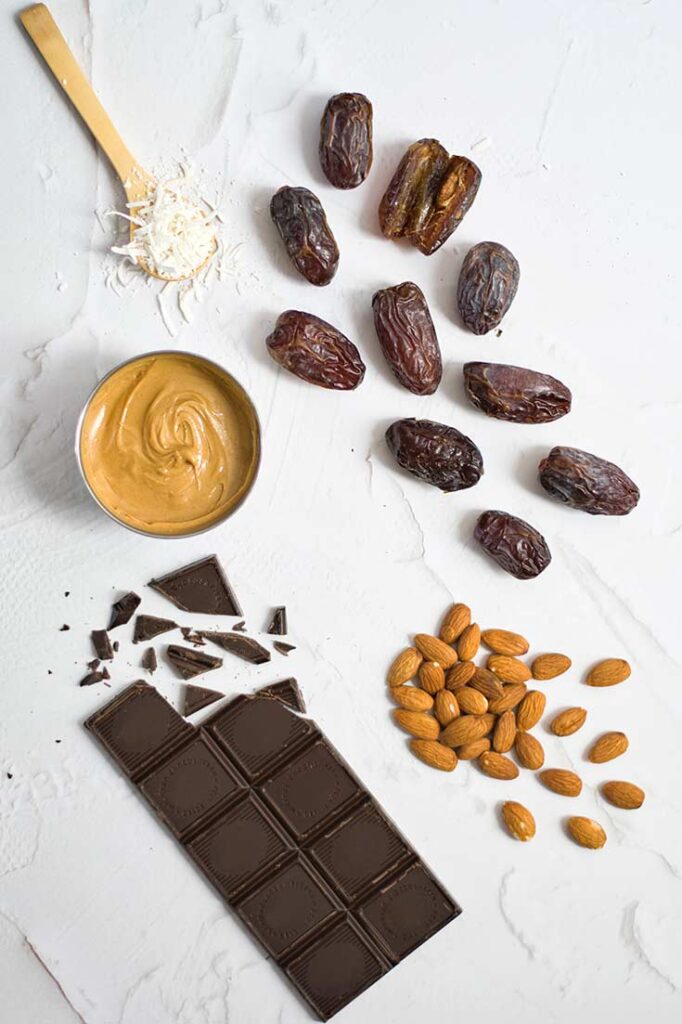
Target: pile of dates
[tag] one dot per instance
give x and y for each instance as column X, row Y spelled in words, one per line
column 425, row 201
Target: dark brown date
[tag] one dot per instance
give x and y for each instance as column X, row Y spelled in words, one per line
column 436, row 453
column 514, row 544
column 487, row 285
column 315, row 351
column 516, row 394
column 407, row 337
column 301, row 221
column 428, row 195
column 346, row 139
column 588, row 483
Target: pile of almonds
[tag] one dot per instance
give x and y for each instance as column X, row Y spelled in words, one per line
column 456, row 710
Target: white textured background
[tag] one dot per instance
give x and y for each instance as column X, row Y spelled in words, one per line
column 101, row 918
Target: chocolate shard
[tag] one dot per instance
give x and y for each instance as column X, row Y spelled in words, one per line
column 93, row 677
column 240, row 626
column 149, row 661
column 123, row 610
column 196, row 639
column 189, row 663
column 283, row 648
column 278, row 623
column 149, row 626
column 102, row 644
column 287, row 691
column 94, row 664
column 198, row 697
column 244, row 647
column 201, row 587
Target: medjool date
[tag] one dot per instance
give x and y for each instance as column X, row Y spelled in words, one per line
column 487, row 285
column 407, row 337
column 587, row 482
column 315, row 351
column 514, row 544
column 436, row 453
column 346, row 139
column 428, row 195
column 300, row 219
column 516, row 394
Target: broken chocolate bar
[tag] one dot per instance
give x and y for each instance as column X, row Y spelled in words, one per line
column 190, row 663
column 102, row 644
column 198, row 697
column 201, row 587
column 123, row 610
column 244, row 647
column 149, row 626
column 278, row 623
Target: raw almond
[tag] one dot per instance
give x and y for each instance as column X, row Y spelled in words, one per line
column 519, row 821
column 417, row 723
column 486, row 683
column 529, row 751
column 549, row 666
column 464, row 730
column 608, row 672
column 561, row 781
column 625, row 795
column 513, row 694
column 456, row 620
column 469, row 642
column 569, row 721
column 586, row 832
column 434, row 649
column 445, row 707
column 608, row 746
column 471, row 701
column 497, row 766
column 459, row 675
column 412, row 698
column 489, row 721
column 503, row 641
column 509, row 670
column 530, row 710
column 434, row 754
column 470, row 751
column 504, row 732
column 404, row 667
column 431, row 677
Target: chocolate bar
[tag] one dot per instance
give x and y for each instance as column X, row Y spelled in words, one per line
column 285, row 832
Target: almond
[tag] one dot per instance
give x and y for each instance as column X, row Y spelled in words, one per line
column 411, row 698
column 561, row 781
column 513, row 694
column 489, row 721
column 486, row 683
column 519, row 821
column 529, row 751
column 404, row 667
column 471, row 701
column 445, row 707
column 548, row 666
column 434, row 754
column 469, row 642
column 455, row 621
column 504, row 732
column 530, row 710
column 608, row 746
column 459, row 675
column 608, row 672
column 509, row 670
column 418, row 724
column 497, row 766
column 470, row 751
column 623, row 794
column 569, row 721
column 586, row 832
column 503, row 641
column 464, row 730
column 431, row 677
column 434, row 649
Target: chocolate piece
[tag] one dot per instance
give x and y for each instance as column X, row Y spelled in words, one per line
column 258, row 733
column 283, row 648
column 149, row 626
column 198, row 697
column 93, row 677
column 149, row 661
column 102, row 644
column 64, row 628
column 105, row 672
column 191, row 663
column 201, row 587
column 278, row 622
column 115, row 646
column 123, row 610
column 94, row 664
column 244, row 647
column 287, row 691
column 192, row 637
column 239, row 626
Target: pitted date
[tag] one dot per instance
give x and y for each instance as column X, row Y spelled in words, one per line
column 300, row 219
column 407, row 337
column 487, row 285
column 435, row 453
column 514, row 544
column 315, row 351
column 428, row 195
column 346, row 139
column 588, row 483
column 516, row 394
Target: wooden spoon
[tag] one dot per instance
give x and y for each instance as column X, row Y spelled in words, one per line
column 136, row 181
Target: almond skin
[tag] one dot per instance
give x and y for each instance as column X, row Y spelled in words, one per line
column 469, row 642
column 504, row 732
column 513, row 695
column 434, row 649
column 509, row 670
column 625, row 795
column 464, row 730
column 455, row 621
column 549, row 666
column 486, row 683
column 608, row 672
column 569, row 721
column 529, row 751
column 586, row 832
column 405, row 667
column 519, row 821
column 503, row 641
column 445, row 707
column 489, row 720
column 497, row 766
column 434, row 754
column 530, row 710
column 470, row 751
column 607, row 747
column 417, row 723
column 471, row 702
column 561, row 781
column 411, row 698
column 459, row 675
column 431, row 677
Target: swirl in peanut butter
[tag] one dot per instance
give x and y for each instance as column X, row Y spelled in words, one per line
column 169, row 444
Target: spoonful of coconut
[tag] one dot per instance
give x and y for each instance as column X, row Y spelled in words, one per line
column 172, row 232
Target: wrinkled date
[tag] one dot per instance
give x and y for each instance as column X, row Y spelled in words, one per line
column 515, row 545
column 428, row 195
column 346, row 139
column 301, row 221
column 436, row 453
column 587, row 482
column 487, row 285
column 315, row 351
column 408, row 338
column 516, row 394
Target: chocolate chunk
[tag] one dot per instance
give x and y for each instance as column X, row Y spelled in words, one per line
column 201, row 587
column 278, row 623
column 287, row 691
column 189, row 663
column 148, row 626
column 94, row 664
column 91, row 678
column 123, row 610
column 283, row 648
column 240, row 627
column 198, row 697
column 191, row 637
column 115, row 646
column 105, row 672
column 102, row 644
column 149, row 661
column 64, row 628
column 244, row 647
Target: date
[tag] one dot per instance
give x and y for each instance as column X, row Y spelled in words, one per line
column 428, row 195
column 588, row 483
column 315, row 351
column 516, row 394
column 346, row 139
column 301, row 221
column 514, row 544
column 407, row 337
column 487, row 285
column 435, row 453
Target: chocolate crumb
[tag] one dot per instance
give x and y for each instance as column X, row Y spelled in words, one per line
column 105, row 672
column 66, row 593
column 239, row 627
column 64, row 628
column 116, row 646
column 9, row 775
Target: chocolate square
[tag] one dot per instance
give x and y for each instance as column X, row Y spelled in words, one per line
column 201, row 587
column 257, row 732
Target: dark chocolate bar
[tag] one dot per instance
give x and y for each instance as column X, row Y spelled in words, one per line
column 285, row 832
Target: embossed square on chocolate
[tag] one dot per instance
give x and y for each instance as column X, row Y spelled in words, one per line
column 257, row 732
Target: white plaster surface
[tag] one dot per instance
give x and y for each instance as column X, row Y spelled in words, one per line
column 571, row 110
